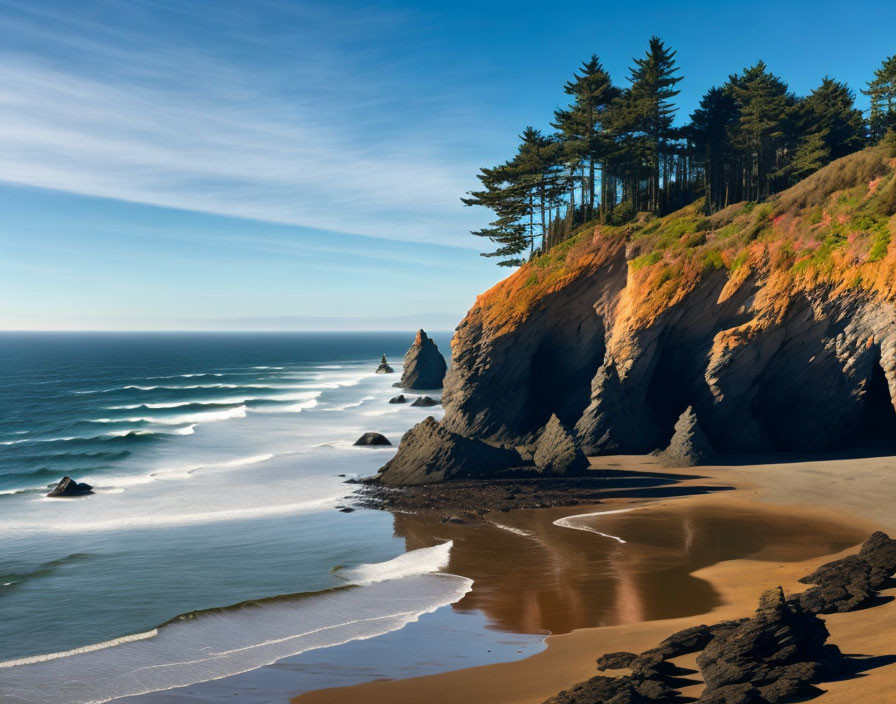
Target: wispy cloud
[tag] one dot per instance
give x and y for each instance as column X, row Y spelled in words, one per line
column 304, row 125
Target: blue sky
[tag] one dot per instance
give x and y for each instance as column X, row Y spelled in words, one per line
column 215, row 164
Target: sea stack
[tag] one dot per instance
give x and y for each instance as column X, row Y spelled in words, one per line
column 424, row 365
column 689, row 445
column 69, row 487
column 384, row 367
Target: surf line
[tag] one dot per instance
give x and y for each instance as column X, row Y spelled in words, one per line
column 569, row 522
column 34, row 659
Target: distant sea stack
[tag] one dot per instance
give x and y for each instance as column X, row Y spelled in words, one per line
column 384, row 367
column 424, row 365
column 773, row 324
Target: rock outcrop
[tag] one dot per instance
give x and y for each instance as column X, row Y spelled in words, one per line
column 777, row 654
column 424, row 365
column 398, row 399
column 557, row 452
column 688, row 446
column 384, row 367
column 372, row 439
column 852, row 582
column 68, row 487
column 424, row 402
column 774, row 323
column 430, row 453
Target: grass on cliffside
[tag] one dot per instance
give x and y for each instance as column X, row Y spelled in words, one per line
column 833, row 228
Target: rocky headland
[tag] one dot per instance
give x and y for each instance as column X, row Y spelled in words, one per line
column 763, row 327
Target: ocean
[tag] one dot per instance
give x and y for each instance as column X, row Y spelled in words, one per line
column 218, row 463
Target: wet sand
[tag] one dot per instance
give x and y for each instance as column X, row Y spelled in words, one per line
column 685, row 561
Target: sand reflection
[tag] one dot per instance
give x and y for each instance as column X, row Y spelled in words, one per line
column 547, row 578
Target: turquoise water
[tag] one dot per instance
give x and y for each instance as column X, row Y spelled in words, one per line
column 216, row 461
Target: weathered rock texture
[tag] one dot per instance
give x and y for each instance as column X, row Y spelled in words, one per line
column 688, row 446
column 773, row 323
column 424, row 365
column 69, row 487
column 557, row 452
column 384, row 367
column 431, row 453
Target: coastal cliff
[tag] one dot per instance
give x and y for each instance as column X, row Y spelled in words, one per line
column 774, row 323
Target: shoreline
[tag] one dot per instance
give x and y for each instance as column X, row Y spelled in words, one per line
column 812, row 489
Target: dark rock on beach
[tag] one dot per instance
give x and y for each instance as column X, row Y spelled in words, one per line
column 852, row 582
column 384, row 367
column 557, row 452
column 616, row 661
column 398, row 399
column 780, row 653
column 689, row 445
column 430, row 453
column 372, row 439
column 69, row 487
column 424, row 365
column 425, row 402
column 477, row 497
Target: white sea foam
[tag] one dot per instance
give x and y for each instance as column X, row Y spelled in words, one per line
column 574, row 522
column 511, row 529
column 34, row 659
column 415, row 562
column 199, row 417
column 137, row 521
column 224, row 643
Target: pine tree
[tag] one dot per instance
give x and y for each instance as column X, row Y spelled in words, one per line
column 651, row 110
column 766, row 109
column 882, row 92
column 710, row 131
column 830, row 127
column 580, row 126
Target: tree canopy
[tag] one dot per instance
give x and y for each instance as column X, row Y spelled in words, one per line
column 616, row 150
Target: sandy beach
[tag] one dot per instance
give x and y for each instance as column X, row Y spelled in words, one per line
column 848, row 497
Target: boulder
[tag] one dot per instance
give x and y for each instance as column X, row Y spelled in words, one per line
column 372, row 439
column 69, row 487
column 879, row 551
column 841, row 585
column 557, row 452
column 384, row 367
column 689, row 445
column 430, row 453
column 425, row 402
column 616, row 661
column 398, row 399
column 780, row 652
column 424, row 365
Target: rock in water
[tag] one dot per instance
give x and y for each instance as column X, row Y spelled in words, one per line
column 69, row 487
column 384, row 367
column 689, row 445
column 557, row 452
column 429, row 453
column 425, row 401
column 371, row 439
column 398, row 399
column 424, row 365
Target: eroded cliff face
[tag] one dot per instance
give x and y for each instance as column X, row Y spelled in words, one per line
column 775, row 322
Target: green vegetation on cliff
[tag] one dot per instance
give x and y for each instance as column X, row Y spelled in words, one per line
column 834, row 227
